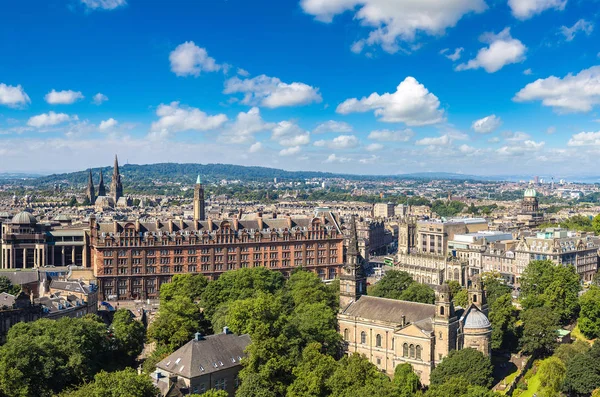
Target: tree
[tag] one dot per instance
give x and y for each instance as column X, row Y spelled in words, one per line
column 567, row 351
column 356, row 376
column 72, row 202
column 129, row 335
column 406, row 381
column 392, row 284
column 312, row 373
column 470, row 364
column 190, row 286
column 461, row 298
column 494, row 286
column 211, row 393
column 596, row 224
column 551, row 372
column 306, row 287
column 589, row 316
column 539, row 330
column 125, row 383
column 458, row 387
column 557, row 287
column 316, row 322
column 417, row 292
column 7, row 286
column 583, row 372
column 502, row 315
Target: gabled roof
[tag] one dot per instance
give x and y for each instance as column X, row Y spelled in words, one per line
column 211, row 353
column 389, row 310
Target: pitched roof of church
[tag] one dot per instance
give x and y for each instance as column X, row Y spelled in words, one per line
column 389, row 310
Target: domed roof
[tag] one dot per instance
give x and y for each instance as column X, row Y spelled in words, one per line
column 4, row 214
column 530, row 192
column 24, row 218
column 476, row 319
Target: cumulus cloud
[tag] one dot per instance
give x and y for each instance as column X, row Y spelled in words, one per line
column 296, row 140
column 573, row 93
column 411, row 104
column 580, row 26
column 190, row 60
column 487, row 124
column 245, row 126
column 255, row 147
column 585, row 139
column 13, row 96
column 271, row 92
column 443, row 140
column 333, row 158
column 99, row 98
column 503, row 50
column 527, row 72
column 454, row 56
column 525, row 9
column 466, row 149
column 108, row 124
column 369, row 160
column 394, row 21
column 518, row 136
column 339, row 142
column 103, row 4
column 175, row 118
column 290, row 151
column 392, row 136
column 287, row 133
column 65, row 97
column 374, row 147
column 527, row 146
column 333, row 126
column 49, row 119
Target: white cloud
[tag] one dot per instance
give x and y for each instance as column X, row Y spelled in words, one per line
column 108, row 124
column 503, row 50
column 242, row 72
column 296, row 140
column 246, row 125
column 520, row 149
column 99, row 98
column 189, row 59
column 65, row 97
column 487, row 124
column 49, row 119
column 290, row 151
column 333, row 126
column 443, row 140
column 392, row 21
column 103, row 4
column 515, row 136
column 392, row 136
column 527, row 72
column 411, row 104
column 175, row 118
column 369, row 160
column 585, row 139
column 13, row 96
column 580, row 26
column 290, row 134
column 374, row 147
column 271, row 92
column 494, row 139
column 255, row 147
column 455, row 56
column 573, row 93
column 340, row 142
column 333, row 158
column 525, row 9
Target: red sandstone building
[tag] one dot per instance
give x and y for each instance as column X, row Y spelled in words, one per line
column 132, row 259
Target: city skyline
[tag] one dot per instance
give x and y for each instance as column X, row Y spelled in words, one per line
column 473, row 87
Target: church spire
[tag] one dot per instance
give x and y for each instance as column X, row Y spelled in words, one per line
column 90, row 193
column 199, row 212
column 116, row 187
column 353, row 283
column 116, row 166
column 101, row 188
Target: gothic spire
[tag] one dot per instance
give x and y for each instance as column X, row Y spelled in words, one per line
column 90, row 193
column 116, row 166
column 101, row 188
column 353, row 241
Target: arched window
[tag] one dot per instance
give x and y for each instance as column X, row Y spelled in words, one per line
column 363, row 338
column 346, row 334
column 474, row 298
column 440, row 338
column 405, row 350
column 441, row 310
column 456, row 275
column 411, row 350
column 378, row 340
column 418, row 355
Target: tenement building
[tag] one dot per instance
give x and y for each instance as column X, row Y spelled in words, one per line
column 390, row 332
column 423, row 249
column 132, row 259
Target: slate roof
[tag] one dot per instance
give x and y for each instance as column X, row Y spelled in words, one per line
column 389, row 310
column 210, row 354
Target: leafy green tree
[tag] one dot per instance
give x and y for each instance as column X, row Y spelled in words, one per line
column 539, row 330
column 557, row 287
column 469, row 364
column 567, row 351
column 417, row 292
column 458, row 387
column 73, row 202
column 455, row 287
column 589, row 316
column 7, row 286
column 583, row 373
column 125, row 383
column 406, row 381
column 158, row 354
column 239, row 284
column 306, row 287
column 129, row 335
column 392, row 284
column 502, row 316
column 317, row 322
column 596, row 224
column 190, row 286
column 356, row 376
column 461, row 298
column 494, row 287
column 551, row 372
column 311, row 373
column 211, row 393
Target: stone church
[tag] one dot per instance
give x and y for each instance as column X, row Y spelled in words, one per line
column 390, row 332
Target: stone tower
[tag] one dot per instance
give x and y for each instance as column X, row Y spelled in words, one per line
column 445, row 323
column 116, row 187
column 90, row 192
column 407, row 236
column 477, row 294
column 101, row 188
column 199, row 214
column 353, row 283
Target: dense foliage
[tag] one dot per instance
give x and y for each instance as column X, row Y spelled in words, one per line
column 125, row 383
column 7, row 286
column 400, row 285
column 589, row 317
column 470, row 365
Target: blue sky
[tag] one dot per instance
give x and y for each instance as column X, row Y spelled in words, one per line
column 486, row 87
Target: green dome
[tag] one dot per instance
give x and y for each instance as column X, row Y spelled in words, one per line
column 530, row 192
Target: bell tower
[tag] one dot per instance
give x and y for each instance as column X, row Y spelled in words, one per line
column 353, row 283
column 477, row 294
column 445, row 324
column 199, row 201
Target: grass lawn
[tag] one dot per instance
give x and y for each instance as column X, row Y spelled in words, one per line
column 533, row 384
column 576, row 333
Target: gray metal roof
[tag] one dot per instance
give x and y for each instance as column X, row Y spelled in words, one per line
column 389, row 310
column 475, row 319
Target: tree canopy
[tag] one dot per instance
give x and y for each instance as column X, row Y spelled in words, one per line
column 589, row 317
column 125, row 383
column 472, row 366
column 400, row 285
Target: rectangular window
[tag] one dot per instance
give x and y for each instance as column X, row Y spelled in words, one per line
column 178, row 268
column 150, row 269
column 164, row 269
column 192, row 268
